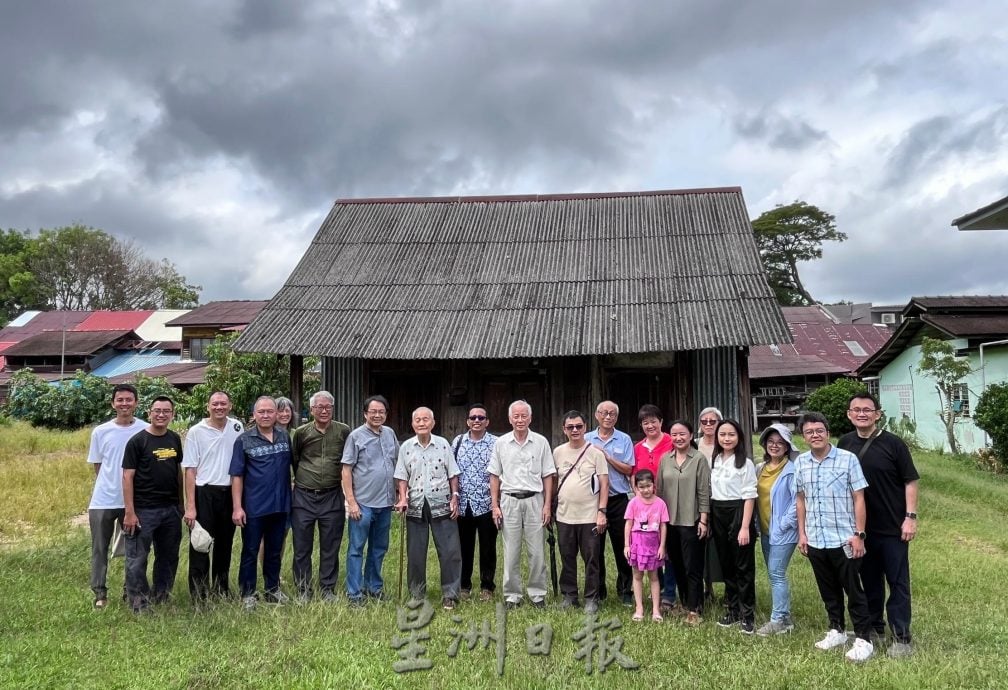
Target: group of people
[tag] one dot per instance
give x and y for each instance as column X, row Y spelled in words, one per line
column 850, row 508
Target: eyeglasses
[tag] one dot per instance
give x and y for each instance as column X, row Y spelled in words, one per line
column 862, row 410
column 477, row 418
column 323, row 408
column 606, row 413
column 708, row 422
column 814, row 432
column 574, row 427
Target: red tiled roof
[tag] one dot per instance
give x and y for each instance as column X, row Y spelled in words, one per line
column 114, row 320
column 226, row 313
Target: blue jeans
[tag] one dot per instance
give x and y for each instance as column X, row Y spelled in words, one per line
column 372, row 529
column 777, row 557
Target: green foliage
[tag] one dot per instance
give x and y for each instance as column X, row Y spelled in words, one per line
column 991, row 415
column 904, row 427
column 787, row 235
column 82, row 268
column 71, row 404
column 939, row 362
column 831, row 400
column 242, row 375
column 149, row 388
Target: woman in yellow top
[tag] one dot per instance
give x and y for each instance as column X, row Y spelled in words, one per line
column 778, row 522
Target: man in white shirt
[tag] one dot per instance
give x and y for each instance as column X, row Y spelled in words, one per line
column 521, row 491
column 206, row 458
column 106, row 509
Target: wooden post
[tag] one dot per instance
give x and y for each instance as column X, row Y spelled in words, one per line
column 296, row 385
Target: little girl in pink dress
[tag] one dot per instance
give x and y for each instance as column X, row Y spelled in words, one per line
column 646, row 517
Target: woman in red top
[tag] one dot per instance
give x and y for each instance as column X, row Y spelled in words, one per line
column 655, row 443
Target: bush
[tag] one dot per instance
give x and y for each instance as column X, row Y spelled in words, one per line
column 991, row 415
column 904, row 427
column 71, row 404
column 831, row 401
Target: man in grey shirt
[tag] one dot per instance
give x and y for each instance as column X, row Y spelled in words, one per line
column 369, row 458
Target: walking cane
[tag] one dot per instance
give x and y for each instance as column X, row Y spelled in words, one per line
column 402, row 550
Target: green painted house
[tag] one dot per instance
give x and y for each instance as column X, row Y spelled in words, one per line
column 977, row 327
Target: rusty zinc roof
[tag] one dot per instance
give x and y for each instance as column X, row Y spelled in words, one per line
column 222, row 313
column 526, row 276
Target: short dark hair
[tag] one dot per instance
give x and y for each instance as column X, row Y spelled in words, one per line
column 163, row 398
column 125, row 388
column 219, row 392
column 810, row 417
column 864, row 395
column 376, row 398
column 685, row 423
column 475, row 405
column 741, row 451
column 573, row 414
column 649, row 410
column 643, row 476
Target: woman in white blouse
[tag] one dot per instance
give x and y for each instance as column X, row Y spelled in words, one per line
column 733, row 498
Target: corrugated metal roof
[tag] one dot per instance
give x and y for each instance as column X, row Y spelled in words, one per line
column 76, row 343
column 178, row 374
column 43, row 321
column 155, row 330
column 818, row 348
column 134, row 361
column 223, row 313
column 469, row 278
column 113, row 320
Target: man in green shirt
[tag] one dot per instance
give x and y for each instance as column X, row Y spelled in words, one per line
column 316, row 449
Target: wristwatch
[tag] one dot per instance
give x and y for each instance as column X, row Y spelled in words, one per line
column 912, row 516
column 456, row 494
column 602, row 510
column 860, row 535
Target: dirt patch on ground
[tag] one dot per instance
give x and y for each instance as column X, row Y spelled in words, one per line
column 977, row 545
column 79, row 520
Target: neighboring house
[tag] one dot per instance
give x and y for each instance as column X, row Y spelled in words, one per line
column 56, row 344
column 203, row 324
column 562, row 300
column 991, row 217
column 822, row 350
column 977, row 327
column 866, row 313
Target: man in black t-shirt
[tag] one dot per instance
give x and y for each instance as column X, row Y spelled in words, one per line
column 152, row 491
column 891, row 507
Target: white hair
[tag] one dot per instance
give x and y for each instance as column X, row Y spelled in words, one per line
column 599, row 406
column 519, row 402
column 321, row 394
column 707, row 410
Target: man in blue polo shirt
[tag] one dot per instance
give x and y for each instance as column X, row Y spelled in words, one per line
column 261, row 495
column 619, row 454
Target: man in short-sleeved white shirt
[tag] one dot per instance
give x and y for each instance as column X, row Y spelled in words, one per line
column 206, row 458
column 108, row 441
column 521, row 490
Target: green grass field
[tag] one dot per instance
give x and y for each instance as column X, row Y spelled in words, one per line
column 51, row 638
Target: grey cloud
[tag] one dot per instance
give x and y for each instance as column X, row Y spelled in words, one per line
column 779, row 131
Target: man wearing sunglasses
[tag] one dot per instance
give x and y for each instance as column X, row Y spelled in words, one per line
column 472, row 454
column 581, row 511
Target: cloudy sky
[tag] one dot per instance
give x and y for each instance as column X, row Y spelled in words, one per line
column 218, row 133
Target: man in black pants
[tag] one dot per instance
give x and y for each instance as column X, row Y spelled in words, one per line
column 891, row 505
column 829, row 487
column 619, row 454
column 208, row 448
column 472, row 455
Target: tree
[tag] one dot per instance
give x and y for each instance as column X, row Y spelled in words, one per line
column 787, row 235
column 939, row 362
column 82, row 268
column 991, row 415
column 19, row 289
column 831, row 400
column 244, row 376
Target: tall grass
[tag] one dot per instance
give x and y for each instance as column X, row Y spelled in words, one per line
column 50, row 636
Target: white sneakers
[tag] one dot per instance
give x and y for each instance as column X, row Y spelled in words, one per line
column 834, row 638
column 861, row 650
